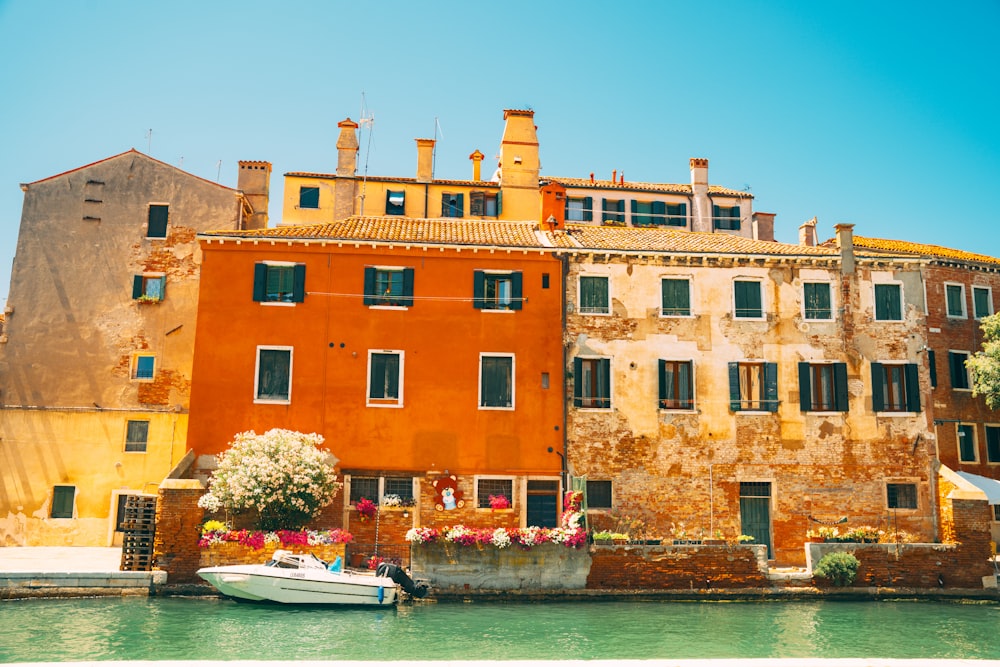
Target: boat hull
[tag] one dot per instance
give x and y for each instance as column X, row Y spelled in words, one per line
column 300, row 586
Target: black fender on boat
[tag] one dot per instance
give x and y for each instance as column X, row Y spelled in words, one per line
column 399, row 575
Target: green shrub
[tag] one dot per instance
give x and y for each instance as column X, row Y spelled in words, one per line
column 840, row 568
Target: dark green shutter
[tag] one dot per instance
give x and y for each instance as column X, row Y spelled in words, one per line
column 588, row 209
column 634, row 208
column 716, row 223
column 478, row 289
column 662, row 369
column 516, row 286
column 956, row 371
column 771, row 386
column 259, row 282
column 499, row 203
column 157, row 226
column 477, row 203
column 805, row 387
column 392, row 368
column 407, row 299
column 460, row 205
column 605, row 380
column 932, row 363
column 578, row 382
column 376, row 381
column 878, row 398
column 369, row 285
column 136, row 287
column 299, row 283
column 912, row 388
column 840, row 387
column 734, row 386
column 659, row 213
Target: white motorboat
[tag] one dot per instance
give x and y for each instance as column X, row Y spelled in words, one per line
column 304, row 579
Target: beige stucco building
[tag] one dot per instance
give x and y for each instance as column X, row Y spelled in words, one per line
column 96, row 354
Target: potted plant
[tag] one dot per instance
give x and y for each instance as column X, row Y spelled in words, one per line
column 366, row 508
column 499, row 502
column 603, row 537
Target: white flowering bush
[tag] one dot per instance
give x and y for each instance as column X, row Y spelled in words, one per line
column 281, row 477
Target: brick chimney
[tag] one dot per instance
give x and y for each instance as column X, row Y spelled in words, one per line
column 425, row 160
column 763, row 226
column 519, row 166
column 254, row 181
column 845, row 241
column 701, row 216
column 347, row 148
column 807, row 233
column 553, row 207
column 477, row 161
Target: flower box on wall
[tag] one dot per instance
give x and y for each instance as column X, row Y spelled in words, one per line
column 687, row 542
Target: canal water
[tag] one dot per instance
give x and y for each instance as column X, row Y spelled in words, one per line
column 63, row 630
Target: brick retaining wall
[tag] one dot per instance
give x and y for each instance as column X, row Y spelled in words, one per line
column 678, row 567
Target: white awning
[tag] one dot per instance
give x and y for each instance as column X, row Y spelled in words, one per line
column 991, row 487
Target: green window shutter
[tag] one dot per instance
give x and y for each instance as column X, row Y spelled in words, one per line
column 659, row 212
column 499, row 203
column 445, row 207
column 878, row 397
column 740, row 297
column 633, row 207
column 392, row 375
column 716, row 223
column 771, row 386
column 588, row 209
column 259, row 282
column 604, row 377
column 369, row 296
column 377, row 379
column 163, row 287
column 805, row 387
column 136, row 287
column 460, row 205
column 157, row 226
column 299, row 283
column 840, row 387
column 956, row 371
column 912, row 388
column 407, row 287
column 478, row 289
column 734, row 386
column 577, row 382
column 516, row 288
column 662, row 374
column 932, row 363
column 477, row 203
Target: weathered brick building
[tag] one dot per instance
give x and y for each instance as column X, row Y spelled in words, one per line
column 95, row 357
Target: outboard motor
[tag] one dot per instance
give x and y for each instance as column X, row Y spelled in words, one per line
column 398, row 575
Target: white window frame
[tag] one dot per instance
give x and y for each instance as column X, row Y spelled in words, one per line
column 256, row 375
column 989, row 300
column 579, row 294
column 975, row 444
column 691, row 301
column 964, row 315
column 968, row 373
column 133, row 372
column 513, row 381
column 279, row 264
column 475, row 489
column 833, row 300
column 902, row 300
column 384, row 402
column 389, row 269
column 763, row 298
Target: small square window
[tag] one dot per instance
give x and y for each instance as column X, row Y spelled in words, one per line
column 888, row 302
column 613, row 210
column 143, row 366
column 136, row 435
column 279, row 282
column 726, row 217
column 901, row 496
column 149, row 288
column 452, row 205
column 579, row 209
column 400, row 486
column 598, row 494
column 493, row 487
column 483, row 204
column 497, row 291
column 816, row 301
column 63, row 499
column 308, row 196
column 594, row 295
column 156, row 227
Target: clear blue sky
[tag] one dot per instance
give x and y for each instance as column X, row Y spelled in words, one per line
column 882, row 114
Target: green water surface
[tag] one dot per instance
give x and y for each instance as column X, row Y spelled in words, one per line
column 214, row 629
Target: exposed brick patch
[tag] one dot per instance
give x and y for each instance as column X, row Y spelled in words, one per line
column 668, row 567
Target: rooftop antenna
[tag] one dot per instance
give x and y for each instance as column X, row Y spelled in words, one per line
column 437, row 129
column 366, row 119
column 149, row 142
column 218, row 172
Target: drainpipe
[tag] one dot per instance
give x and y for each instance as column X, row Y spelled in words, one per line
column 564, row 270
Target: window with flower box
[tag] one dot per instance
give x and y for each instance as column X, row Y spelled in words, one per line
column 377, row 489
column 496, row 487
column 149, row 287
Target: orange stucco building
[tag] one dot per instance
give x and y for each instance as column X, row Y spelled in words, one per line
column 415, row 347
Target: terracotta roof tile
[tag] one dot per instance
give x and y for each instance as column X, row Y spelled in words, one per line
column 405, row 230
column 596, row 237
column 922, row 249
